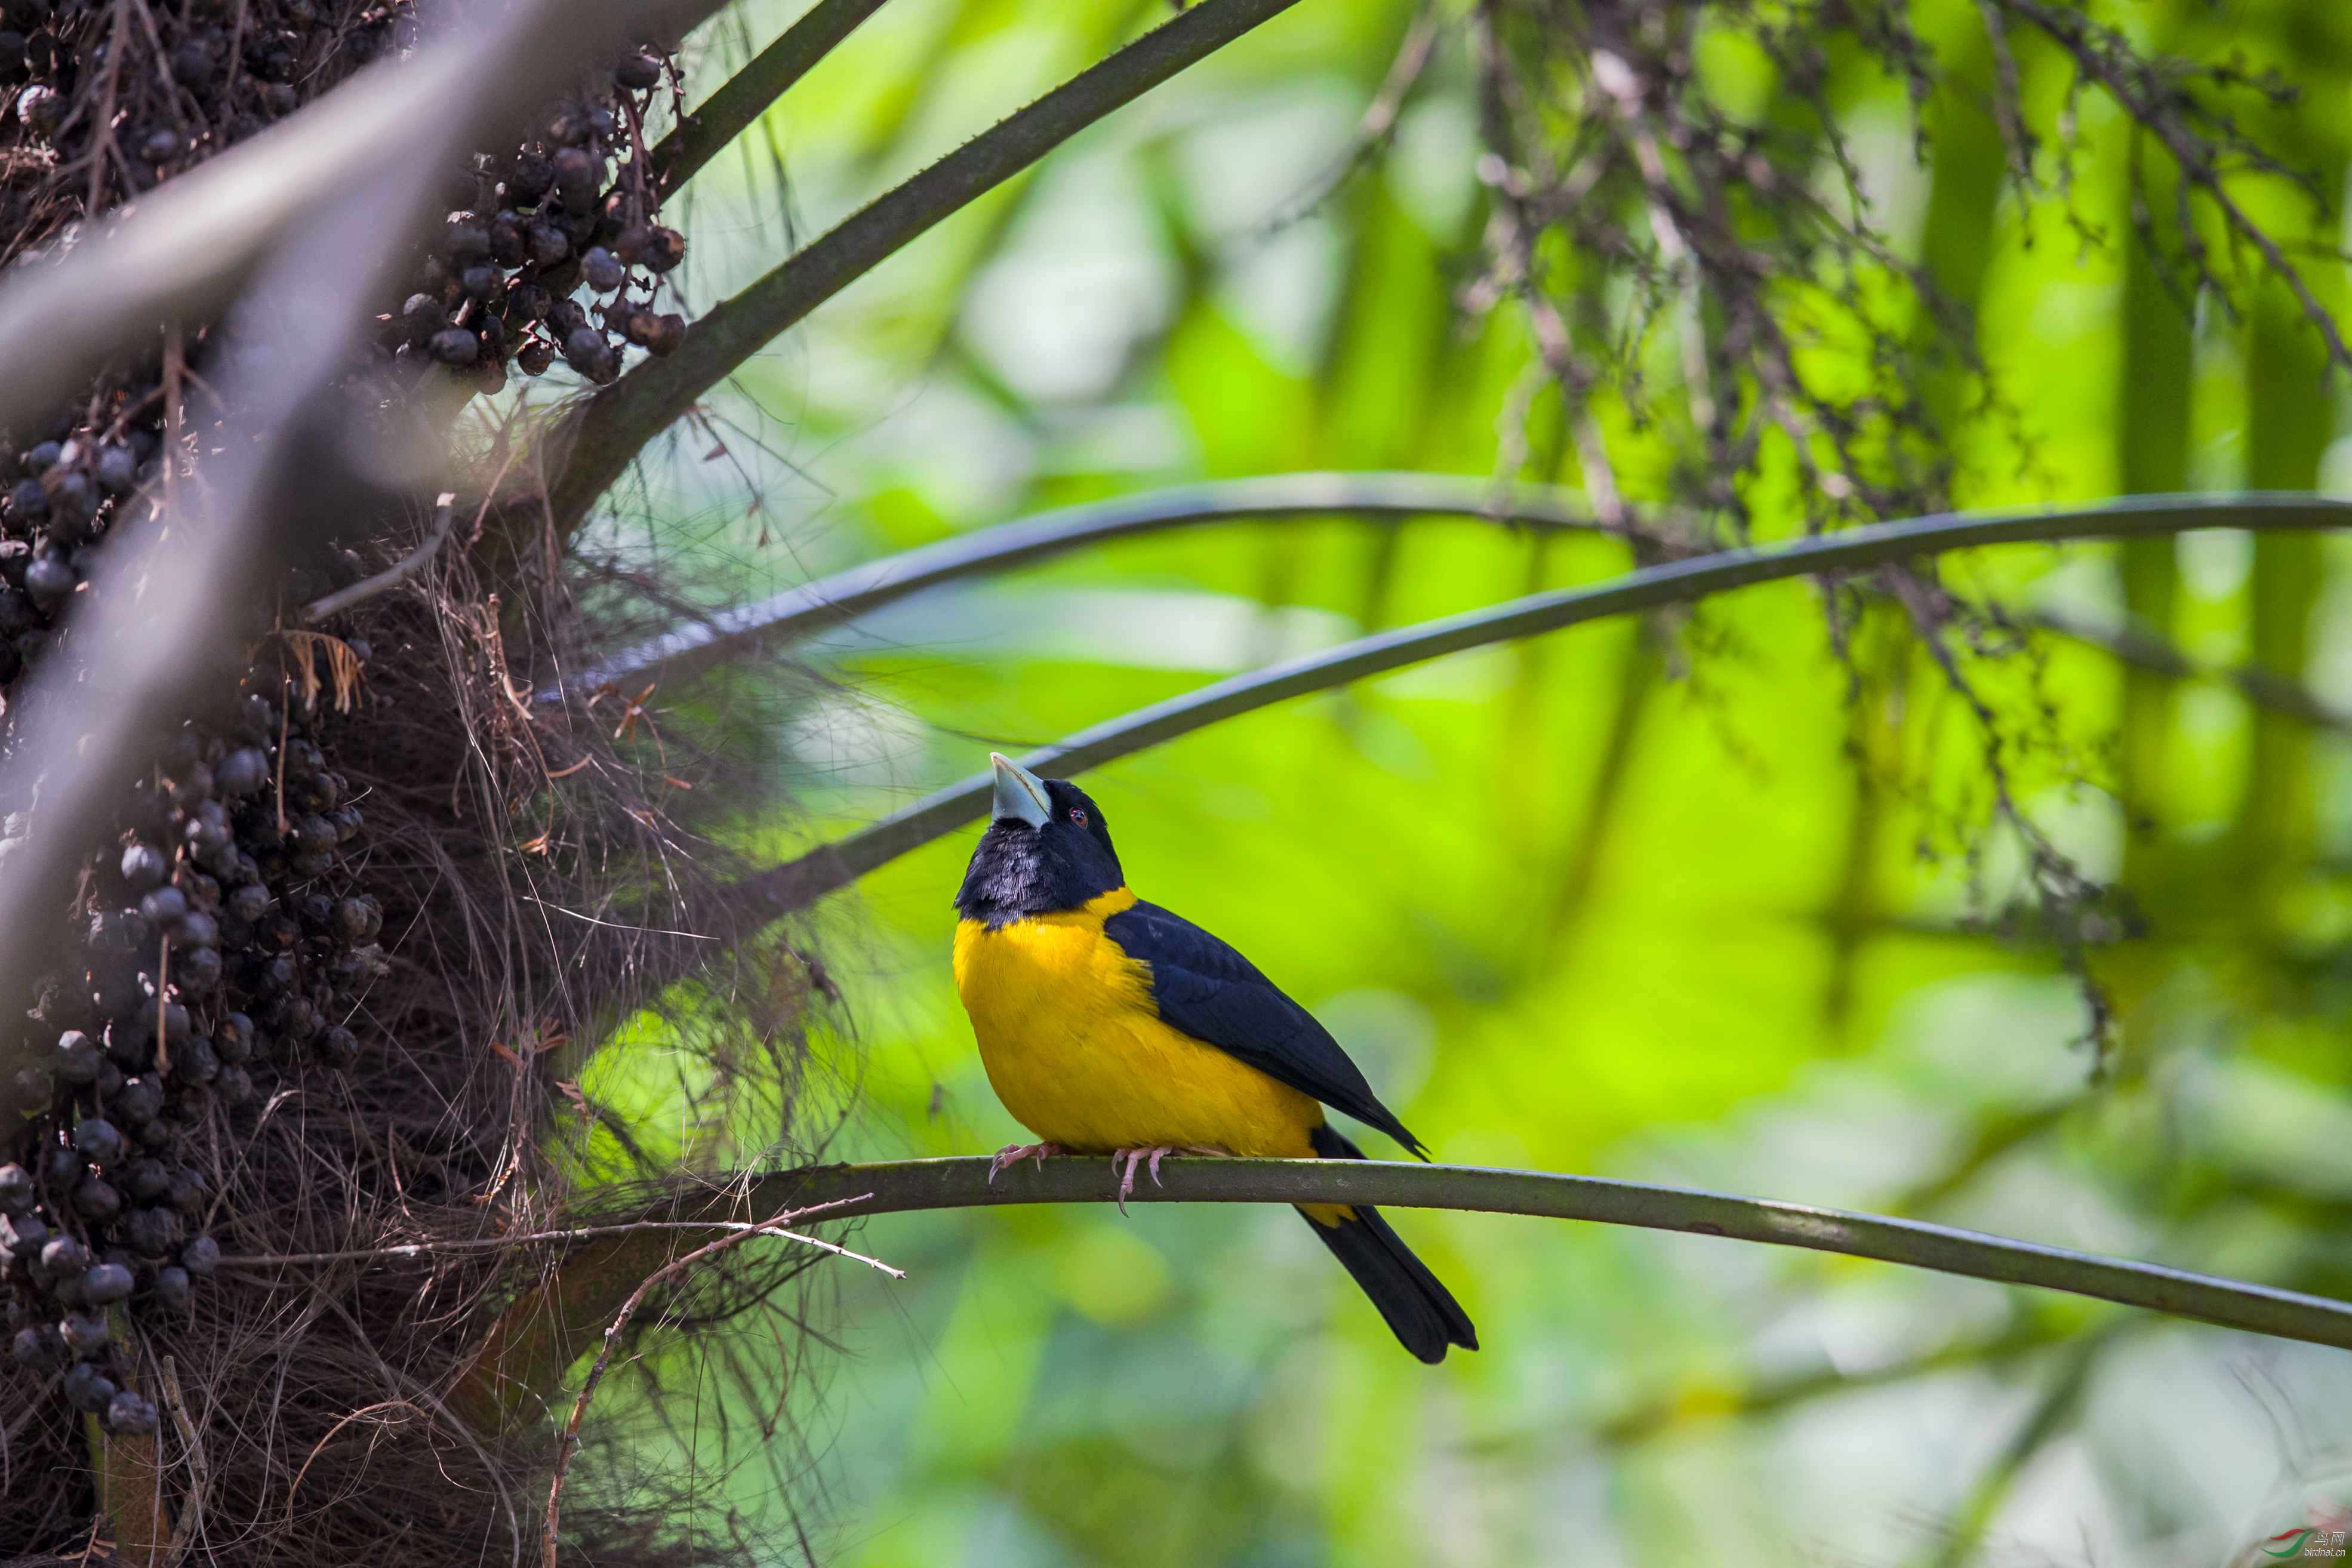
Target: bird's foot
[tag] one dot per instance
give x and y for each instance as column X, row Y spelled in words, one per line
column 1013, row 1153
column 1149, row 1159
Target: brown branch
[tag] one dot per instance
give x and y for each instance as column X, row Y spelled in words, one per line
column 392, row 576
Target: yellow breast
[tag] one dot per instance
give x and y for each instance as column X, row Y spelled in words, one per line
column 1076, row 1049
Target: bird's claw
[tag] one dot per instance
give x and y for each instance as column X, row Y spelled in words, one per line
column 1013, row 1153
column 1149, row 1159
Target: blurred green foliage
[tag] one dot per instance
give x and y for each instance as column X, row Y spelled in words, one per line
column 1688, row 901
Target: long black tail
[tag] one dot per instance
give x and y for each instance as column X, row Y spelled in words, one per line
column 1422, row 1313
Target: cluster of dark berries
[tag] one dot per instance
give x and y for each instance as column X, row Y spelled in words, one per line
column 557, row 221
column 192, row 78
column 223, row 949
column 57, row 499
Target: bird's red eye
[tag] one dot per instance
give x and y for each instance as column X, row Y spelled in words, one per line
column 1078, row 816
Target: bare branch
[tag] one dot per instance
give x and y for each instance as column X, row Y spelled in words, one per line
column 392, row 576
column 605, row 436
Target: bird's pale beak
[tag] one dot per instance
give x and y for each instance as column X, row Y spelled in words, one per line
column 1020, row 794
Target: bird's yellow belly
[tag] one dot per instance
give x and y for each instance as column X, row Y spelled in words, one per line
column 1076, row 1050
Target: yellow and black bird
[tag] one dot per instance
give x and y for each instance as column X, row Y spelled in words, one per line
column 1110, row 1025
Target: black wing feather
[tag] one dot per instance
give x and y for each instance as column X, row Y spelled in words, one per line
column 1213, row 994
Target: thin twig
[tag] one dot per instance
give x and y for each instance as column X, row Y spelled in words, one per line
column 570, row 1443
column 504, row 1243
column 392, row 576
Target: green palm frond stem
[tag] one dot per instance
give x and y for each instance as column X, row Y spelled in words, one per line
column 870, row 585
column 541, row 1334
column 655, row 960
column 596, row 447
column 745, row 96
column 796, row 883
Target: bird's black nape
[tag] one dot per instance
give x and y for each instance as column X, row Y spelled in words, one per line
column 1018, row 871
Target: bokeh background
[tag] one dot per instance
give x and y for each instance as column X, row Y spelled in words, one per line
column 1690, row 901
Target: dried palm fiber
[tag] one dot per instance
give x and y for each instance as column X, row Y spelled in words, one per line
column 322, row 996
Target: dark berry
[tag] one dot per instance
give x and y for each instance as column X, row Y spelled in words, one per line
column 665, row 250
column 15, row 1189
column 568, row 127
column 147, row 1180
column 189, row 1189
column 232, row 1037
column 163, row 906
column 87, row 1389
column 665, row 335
column 85, row 1334
column 467, row 241
column 172, row 1287
column 118, row 470
column 152, row 1232
column 140, row 1102
column 454, row 347
column 98, row 1140
column 191, row 785
column 77, row 1062
column 48, row 582
column 195, row 1062
column 638, row 72
column 200, row 1256
column 24, row 1235
column 63, row 1258
column 129, row 1415
column 198, row 969
column 103, row 1284
column 603, row 270
column 242, row 772
column 39, row 1348
column 532, row 178
column 144, row 866
column 507, row 247
column 96, row 1199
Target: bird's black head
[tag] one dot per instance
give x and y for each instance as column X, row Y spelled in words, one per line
column 1046, row 849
